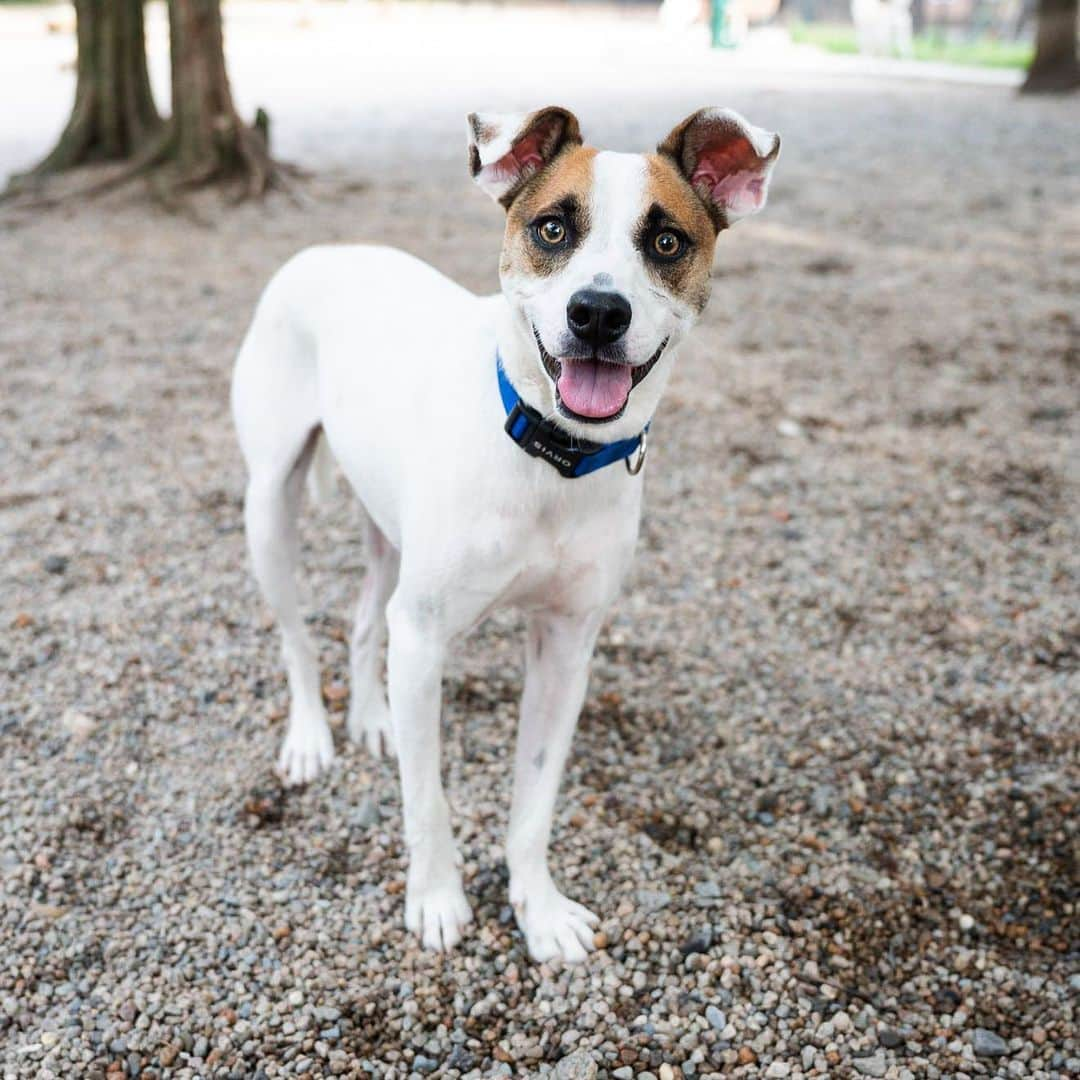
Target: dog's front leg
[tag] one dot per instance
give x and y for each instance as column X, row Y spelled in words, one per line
column 435, row 904
column 558, row 656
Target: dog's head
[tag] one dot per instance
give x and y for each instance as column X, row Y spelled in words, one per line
column 607, row 257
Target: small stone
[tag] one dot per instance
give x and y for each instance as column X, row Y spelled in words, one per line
column 624, row 1072
column 201, row 1047
column 576, row 1066
column 600, row 940
column 890, row 1039
column 874, row 1065
column 746, row 1056
column 989, row 1044
column 966, row 922
column 652, row 900
column 77, row 724
column 666, row 1072
column 697, row 943
column 49, row 1038
column 296, row 998
column 715, row 1017
column 168, row 1054
column 55, row 564
column 778, row 1069
column 424, row 1064
column 460, row 1059
column 367, row 814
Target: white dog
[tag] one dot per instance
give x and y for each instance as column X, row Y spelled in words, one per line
column 495, row 444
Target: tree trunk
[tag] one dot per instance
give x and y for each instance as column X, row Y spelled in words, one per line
column 210, row 140
column 1055, row 66
column 114, row 115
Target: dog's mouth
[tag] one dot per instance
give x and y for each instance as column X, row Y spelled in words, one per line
column 592, row 390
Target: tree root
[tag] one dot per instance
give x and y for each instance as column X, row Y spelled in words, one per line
column 249, row 161
column 155, row 151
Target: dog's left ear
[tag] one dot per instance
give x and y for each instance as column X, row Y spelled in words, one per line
column 726, row 160
column 508, row 149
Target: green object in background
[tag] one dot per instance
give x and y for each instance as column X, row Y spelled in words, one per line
column 929, row 45
column 721, row 35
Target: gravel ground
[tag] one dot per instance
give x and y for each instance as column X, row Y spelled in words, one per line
column 824, row 792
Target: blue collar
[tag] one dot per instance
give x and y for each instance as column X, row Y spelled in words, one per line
column 543, row 439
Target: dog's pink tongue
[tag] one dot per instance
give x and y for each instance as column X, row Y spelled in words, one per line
column 594, row 389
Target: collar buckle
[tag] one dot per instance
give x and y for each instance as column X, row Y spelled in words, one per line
column 527, row 429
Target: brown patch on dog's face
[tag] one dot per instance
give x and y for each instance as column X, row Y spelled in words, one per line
column 673, row 206
column 559, row 194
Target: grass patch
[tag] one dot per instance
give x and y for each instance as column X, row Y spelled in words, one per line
column 931, row 45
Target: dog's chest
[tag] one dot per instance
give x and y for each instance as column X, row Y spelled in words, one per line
column 556, row 555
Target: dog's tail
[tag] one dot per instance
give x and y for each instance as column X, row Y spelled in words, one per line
column 320, row 477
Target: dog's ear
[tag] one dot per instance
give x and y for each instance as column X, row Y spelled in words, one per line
column 508, row 149
column 726, row 160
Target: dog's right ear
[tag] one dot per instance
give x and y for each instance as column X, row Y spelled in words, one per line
column 507, row 149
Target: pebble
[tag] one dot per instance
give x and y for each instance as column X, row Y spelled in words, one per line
column 988, row 1043
column 874, row 1065
column 715, row 1017
column 651, row 901
column 77, row 724
column 698, row 942
column 576, row 1066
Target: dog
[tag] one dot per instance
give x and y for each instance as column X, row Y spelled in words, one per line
column 496, row 445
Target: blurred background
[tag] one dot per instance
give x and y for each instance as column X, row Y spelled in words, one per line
column 824, row 791
column 308, row 62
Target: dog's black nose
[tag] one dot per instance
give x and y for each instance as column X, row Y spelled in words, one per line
column 597, row 316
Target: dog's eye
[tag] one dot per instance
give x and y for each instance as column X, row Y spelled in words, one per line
column 551, row 232
column 667, row 244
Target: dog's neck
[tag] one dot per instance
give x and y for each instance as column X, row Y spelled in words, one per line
column 520, row 361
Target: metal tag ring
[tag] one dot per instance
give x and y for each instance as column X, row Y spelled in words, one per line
column 639, row 460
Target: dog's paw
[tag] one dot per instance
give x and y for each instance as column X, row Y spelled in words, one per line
column 307, row 751
column 555, row 927
column 438, row 916
column 369, row 724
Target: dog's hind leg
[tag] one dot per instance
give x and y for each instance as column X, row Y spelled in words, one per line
column 369, row 714
column 271, row 506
